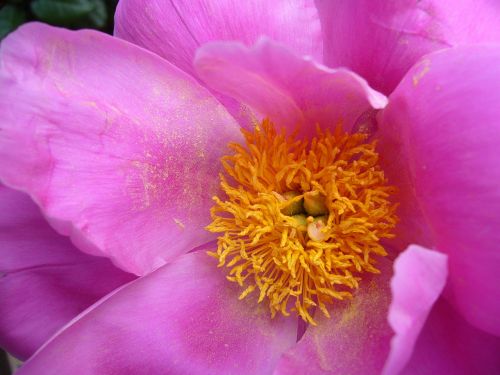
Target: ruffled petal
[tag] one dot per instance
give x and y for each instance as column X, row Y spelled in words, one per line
column 419, row 278
column 175, row 29
column 355, row 340
column 48, row 281
column 443, row 122
column 184, row 318
column 292, row 91
column 449, row 345
column 381, row 40
column 116, row 145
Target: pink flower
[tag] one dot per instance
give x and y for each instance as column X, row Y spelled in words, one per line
column 120, row 148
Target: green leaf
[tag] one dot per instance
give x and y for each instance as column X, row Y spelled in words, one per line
column 71, row 13
column 11, row 17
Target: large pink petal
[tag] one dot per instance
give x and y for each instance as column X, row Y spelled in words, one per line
column 412, row 226
column 48, row 281
column 117, row 146
column 419, row 278
column 175, row 29
column 449, row 345
column 382, row 39
column 445, row 119
column 355, row 340
column 184, row 318
column 291, row 90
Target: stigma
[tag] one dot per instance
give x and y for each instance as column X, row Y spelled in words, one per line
column 301, row 221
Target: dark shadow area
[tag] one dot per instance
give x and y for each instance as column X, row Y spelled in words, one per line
column 4, row 364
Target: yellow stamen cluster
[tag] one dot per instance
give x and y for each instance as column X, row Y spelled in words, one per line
column 301, row 220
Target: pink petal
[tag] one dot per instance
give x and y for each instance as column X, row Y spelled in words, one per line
column 291, row 90
column 449, row 345
column 48, row 281
column 355, row 340
column 419, row 278
column 175, row 29
column 381, row 40
column 184, row 318
column 412, row 226
column 36, row 303
column 117, row 146
column 445, row 118
column 26, row 240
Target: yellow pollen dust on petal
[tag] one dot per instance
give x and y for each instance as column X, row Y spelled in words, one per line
column 301, row 220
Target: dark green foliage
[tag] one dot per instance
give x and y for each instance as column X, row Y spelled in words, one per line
column 73, row 14
column 11, row 16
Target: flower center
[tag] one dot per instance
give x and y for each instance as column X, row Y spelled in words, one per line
column 301, row 220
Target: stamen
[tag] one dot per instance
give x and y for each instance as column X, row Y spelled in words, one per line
column 301, row 221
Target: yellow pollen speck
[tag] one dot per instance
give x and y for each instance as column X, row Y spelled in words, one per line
column 301, row 220
column 425, row 67
column 179, row 223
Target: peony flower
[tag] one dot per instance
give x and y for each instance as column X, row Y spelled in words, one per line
column 342, row 170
